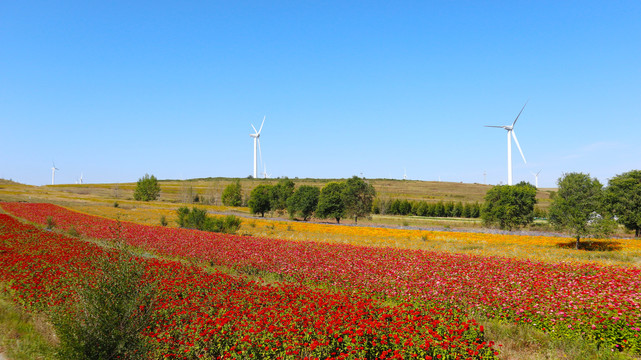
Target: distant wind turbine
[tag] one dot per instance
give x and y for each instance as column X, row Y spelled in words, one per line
column 53, row 173
column 265, row 174
column 80, row 180
column 256, row 136
column 404, row 174
column 510, row 135
column 536, row 178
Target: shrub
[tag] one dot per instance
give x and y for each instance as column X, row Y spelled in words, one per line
column 111, row 310
column 51, row 223
column 198, row 219
column 147, row 188
column 163, row 221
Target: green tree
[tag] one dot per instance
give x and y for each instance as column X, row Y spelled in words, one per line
column 233, row 194
column 281, row 192
column 304, row 201
column 330, row 202
column 509, row 206
column 623, row 199
column 577, row 206
column 260, row 199
column 358, row 197
column 147, row 188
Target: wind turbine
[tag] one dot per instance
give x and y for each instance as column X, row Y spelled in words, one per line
column 404, row 174
column 510, row 135
column 256, row 136
column 536, row 178
column 265, row 174
column 80, row 180
column 53, row 172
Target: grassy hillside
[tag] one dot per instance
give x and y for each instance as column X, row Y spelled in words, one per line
column 211, row 189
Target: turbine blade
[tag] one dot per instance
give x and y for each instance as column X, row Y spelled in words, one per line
column 495, row 126
column 519, row 146
column 254, row 129
column 517, row 117
column 261, row 125
column 537, row 174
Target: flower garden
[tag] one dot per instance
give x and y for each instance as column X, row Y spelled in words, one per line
column 329, row 302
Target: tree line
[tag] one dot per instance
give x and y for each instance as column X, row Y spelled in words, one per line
column 425, row 208
column 336, row 200
column 581, row 206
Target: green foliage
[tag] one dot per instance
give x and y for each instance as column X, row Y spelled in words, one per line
column 51, row 223
column 304, row 201
column 330, row 202
column 163, row 221
column 147, row 188
column 198, row 219
column 232, row 194
column 578, row 208
column 509, row 206
column 106, row 319
column 358, row 197
column 280, row 193
column 260, row 199
column 116, row 204
column 623, row 199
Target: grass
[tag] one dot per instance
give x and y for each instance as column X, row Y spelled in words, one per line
column 520, row 342
column 24, row 336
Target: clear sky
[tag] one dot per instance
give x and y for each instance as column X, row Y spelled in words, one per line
column 117, row 89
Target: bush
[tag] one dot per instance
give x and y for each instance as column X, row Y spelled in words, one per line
column 198, row 219
column 163, row 221
column 111, row 310
column 51, row 223
column 147, row 188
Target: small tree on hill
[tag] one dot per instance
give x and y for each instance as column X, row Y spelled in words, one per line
column 509, row 206
column 280, row 193
column 358, row 196
column 623, row 199
column 147, row 188
column 577, row 207
column 330, row 202
column 232, row 194
column 304, row 201
column 259, row 199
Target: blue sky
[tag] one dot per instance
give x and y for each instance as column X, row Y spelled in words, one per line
column 117, row 89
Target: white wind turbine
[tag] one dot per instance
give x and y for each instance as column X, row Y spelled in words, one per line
column 510, row 135
column 256, row 136
column 80, row 180
column 53, row 172
column 536, row 178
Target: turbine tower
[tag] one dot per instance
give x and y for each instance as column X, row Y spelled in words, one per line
column 536, row 179
column 80, row 180
column 53, row 172
column 256, row 136
column 510, row 135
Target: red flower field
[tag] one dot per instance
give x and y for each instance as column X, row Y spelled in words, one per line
column 600, row 304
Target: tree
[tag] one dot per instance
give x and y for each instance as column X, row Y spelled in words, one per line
column 147, row 188
column 623, row 199
column 281, row 192
column 358, row 197
column 303, row 201
column 232, row 194
column 577, row 206
column 330, row 202
column 259, row 199
column 509, row 206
